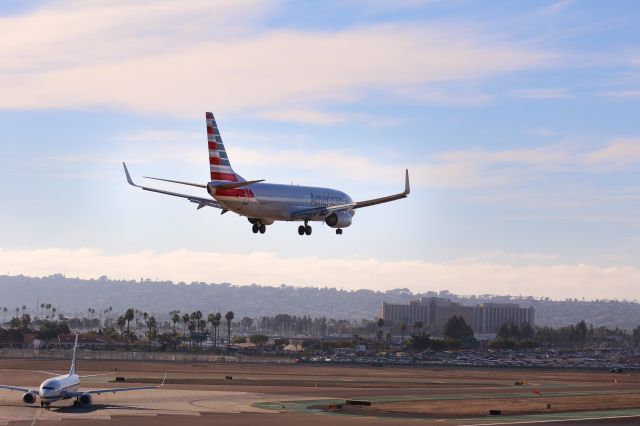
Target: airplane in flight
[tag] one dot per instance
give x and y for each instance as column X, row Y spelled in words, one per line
column 265, row 203
column 66, row 386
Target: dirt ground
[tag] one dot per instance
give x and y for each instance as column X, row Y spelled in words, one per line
column 512, row 406
column 275, row 393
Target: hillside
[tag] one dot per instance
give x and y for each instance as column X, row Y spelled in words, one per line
column 73, row 295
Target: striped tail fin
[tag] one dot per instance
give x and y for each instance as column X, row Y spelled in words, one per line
column 219, row 164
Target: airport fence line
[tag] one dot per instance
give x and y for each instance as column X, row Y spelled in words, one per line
column 15, row 353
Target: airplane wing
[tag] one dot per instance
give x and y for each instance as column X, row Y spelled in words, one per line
column 326, row 211
column 109, row 390
column 320, row 211
column 49, row 373
column 201, row 202
column 96, row 375
column 374, row 201
column 114, row 390
column 19, row 389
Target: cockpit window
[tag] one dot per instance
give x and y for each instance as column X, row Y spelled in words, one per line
column 50, row 386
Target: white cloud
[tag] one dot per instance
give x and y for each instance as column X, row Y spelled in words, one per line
column 304, row 116
column 465, row 277
column 617, row 154
column 621, row 94
column 308, row 116
column 557, row 7
column 540, row 93
column 469, row 168
column 180, row 58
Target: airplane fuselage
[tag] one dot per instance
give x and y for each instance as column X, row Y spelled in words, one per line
column 54, row 389
column 270, row 202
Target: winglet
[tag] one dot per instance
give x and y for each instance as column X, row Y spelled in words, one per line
column 407, row 188
column 126, row 172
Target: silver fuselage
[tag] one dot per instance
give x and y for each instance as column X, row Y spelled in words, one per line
column 272, row 202
column 54, row 389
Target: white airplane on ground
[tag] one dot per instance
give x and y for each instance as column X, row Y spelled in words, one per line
column 66, row 387
column 264, row 203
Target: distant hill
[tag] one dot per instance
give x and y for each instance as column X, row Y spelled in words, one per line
column 73, row 296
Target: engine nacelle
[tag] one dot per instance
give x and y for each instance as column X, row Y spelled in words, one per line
column 339, row 219
column 85, row 399
column 29, row 398
column 264, row 220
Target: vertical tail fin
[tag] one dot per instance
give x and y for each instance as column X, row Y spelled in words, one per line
column 72, row 370
column 218, row 160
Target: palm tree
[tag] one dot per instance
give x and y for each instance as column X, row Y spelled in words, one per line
column 128, row 316
column 403, row 330
column 195, row 317
column 47, row 307
column 379, row 334
column 146, row 321
column 211, row 318
column 229, row 317
column 53, row 312
column 151, row 325
column 217, row 319
column 418, row 325
column 191, row 327
column 121, row 323
column 185, row 320
column 175, row 319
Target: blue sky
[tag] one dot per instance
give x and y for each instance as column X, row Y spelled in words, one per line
column 518, row 122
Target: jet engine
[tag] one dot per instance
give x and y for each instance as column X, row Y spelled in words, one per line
column 85, row 399
column 29, row 398
column 264, row 220
column 339, row 219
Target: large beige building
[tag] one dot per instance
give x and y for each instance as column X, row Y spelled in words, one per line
column 434, row 312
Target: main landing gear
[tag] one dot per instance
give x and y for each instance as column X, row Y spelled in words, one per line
column 304, row 229
column 259, row 227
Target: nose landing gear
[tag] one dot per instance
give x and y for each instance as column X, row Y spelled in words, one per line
column 338, row 231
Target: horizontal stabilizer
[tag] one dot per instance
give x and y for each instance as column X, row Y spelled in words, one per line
column 233, row 185
column 199, row 185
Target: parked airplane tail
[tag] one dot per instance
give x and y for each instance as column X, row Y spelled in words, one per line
column 219, row 164
column 72, row 370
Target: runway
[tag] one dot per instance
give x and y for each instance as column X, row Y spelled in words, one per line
column 275, row 395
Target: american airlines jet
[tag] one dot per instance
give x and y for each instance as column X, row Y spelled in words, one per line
column 265, row 203
column 66, row 387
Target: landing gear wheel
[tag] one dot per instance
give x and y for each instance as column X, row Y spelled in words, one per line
column 263, row 228
column 338, row 231
column 307, row 230
column 255, row 228
column 301, row 230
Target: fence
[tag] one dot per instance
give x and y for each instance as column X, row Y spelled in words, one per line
column 133, row 356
